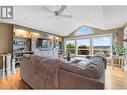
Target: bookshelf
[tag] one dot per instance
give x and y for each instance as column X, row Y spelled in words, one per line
column 21, row 45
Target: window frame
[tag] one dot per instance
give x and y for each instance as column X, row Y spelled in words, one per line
column 82, row 49
column 67, row 49
column 91, row 50
column 110, row 50
column 78, row 30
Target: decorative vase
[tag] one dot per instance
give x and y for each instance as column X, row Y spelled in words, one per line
column 68, row 57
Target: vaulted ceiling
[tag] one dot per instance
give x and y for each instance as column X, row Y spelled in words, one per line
column 102, row 17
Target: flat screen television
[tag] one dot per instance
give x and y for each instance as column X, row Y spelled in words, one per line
column 43, row 43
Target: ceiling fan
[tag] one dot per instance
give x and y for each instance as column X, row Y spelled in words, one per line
column 58, row 12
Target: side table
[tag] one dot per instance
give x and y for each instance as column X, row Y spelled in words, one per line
column 121, row 60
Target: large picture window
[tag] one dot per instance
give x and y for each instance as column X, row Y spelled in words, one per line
column 70, row 46
column 95, row 44
column 83, row 46
column 102, row 44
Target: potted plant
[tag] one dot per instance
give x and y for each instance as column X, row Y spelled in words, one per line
column 115, row 45
column 120, row 50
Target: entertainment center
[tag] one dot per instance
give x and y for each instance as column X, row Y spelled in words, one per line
column 28, row 41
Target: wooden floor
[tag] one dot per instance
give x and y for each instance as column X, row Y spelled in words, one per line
column 114, row 79
column 13, row 82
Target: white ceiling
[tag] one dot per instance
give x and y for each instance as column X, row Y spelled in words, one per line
column 102, row 17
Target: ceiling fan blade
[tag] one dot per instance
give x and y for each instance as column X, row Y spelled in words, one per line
column 61, row 9
column 49, row 17
column 48, row 10
column 67, row 16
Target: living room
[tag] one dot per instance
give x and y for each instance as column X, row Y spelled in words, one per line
column 59, row 33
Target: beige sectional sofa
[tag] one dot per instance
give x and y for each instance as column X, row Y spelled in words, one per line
column 62, row 75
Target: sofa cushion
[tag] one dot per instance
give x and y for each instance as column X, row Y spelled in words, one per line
column 95, row 66
column 83, row 62
column 76, row 68
column 92, row 68
column 102, row 57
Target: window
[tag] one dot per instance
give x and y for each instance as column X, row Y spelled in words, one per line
column 95, row 44
column 83, row 46
column 83, row 31
column 102, row 44
column 70, row 46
